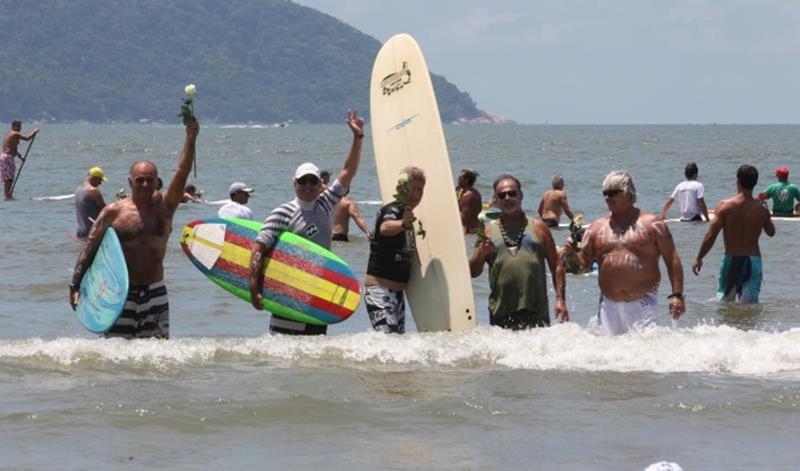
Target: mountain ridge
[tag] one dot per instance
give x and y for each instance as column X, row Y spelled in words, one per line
column 253, row 61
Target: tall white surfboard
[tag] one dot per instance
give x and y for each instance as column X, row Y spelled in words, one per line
column 407, row 130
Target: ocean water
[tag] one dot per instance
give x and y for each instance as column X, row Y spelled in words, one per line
column 720, row 391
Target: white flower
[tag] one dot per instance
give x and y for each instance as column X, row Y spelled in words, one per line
column 482, row 216
column 402, row 179
column 190, row 90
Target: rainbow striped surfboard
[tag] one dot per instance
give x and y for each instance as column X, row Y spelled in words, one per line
column 302, row 281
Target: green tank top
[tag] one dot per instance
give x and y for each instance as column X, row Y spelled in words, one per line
column 517, row 279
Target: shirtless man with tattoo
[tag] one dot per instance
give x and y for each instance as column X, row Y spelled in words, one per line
column 143, row 223
column 627, row 244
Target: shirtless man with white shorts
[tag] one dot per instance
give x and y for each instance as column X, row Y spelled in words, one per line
column 627, row 244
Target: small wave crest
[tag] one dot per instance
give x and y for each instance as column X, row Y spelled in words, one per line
column 565, row 347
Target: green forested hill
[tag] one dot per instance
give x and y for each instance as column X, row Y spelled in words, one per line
column 252, row 60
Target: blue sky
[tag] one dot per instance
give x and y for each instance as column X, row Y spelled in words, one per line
column 604, row 62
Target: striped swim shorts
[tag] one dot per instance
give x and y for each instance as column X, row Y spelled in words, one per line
column 145, row 314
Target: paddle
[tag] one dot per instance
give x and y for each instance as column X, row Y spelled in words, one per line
column 24, row 159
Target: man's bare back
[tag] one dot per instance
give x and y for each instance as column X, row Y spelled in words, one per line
column 553, row 205
column 469, row 206
column 345, row 209
column 742, row 220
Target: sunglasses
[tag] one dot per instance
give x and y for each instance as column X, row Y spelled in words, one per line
column 308, row 180
column 507, row 194
column 611, row 193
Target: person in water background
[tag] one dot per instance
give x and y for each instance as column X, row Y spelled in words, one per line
column 741, row 219
column 89, row 201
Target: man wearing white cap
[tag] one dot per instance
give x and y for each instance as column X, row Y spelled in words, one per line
column 308, row 215
column 89, row 201
column 240, row 194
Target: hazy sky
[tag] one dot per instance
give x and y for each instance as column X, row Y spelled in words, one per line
column 604, row 61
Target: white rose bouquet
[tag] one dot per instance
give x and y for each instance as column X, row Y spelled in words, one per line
column 485, row 215
column 575, row 227
column 187, row 109
column 403, row 190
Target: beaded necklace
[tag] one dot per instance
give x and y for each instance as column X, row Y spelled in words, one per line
column 513, row 243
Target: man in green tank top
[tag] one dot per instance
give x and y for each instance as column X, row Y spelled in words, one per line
column 516, row 248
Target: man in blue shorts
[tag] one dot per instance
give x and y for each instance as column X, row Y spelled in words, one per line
column 741, row 220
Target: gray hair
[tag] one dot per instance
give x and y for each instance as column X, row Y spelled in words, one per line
column 414, row 173
column 620, row 180
column 558, row 182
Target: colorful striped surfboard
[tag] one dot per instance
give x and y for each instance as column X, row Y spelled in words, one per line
column 302, row 281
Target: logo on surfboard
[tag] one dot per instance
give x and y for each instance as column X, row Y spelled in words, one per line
column 403, row 123
column 396, row 80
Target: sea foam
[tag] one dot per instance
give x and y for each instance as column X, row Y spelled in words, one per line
column 568, row 347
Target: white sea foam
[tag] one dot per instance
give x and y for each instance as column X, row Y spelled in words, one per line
column 55, row 197
column 567, row 347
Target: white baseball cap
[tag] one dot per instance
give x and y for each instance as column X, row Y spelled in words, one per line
column 239, row 186
column 306, row 169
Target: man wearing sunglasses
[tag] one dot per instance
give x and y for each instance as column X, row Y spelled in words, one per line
column 627, row 244
column 516, row 248
column 308, row 215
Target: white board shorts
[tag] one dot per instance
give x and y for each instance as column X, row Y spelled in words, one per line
column 615, row 317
